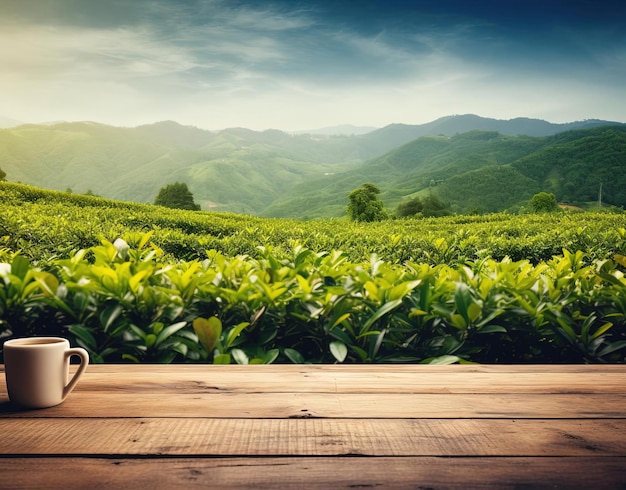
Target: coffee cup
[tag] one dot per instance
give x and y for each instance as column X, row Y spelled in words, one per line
column 37, row 370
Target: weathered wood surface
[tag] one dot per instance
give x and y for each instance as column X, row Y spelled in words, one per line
column 313, row 473
column 314, row 437
column 326, row 405
column 324, row 473
column 128, row 426
column 358, row 379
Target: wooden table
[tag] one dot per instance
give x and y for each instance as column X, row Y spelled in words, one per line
column 328, row 426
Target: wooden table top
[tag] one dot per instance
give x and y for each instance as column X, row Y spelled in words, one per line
column 324, row 426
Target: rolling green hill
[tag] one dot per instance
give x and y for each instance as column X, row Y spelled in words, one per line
column 237, row 170
column 572, row 165
column 480, row 171
column 273, row 173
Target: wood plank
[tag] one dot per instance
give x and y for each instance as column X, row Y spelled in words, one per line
column 312, row 437
column 306, row 370
column 299, row 405
column 275, row 380
column 278, row 382
column 363, row 368
column 314, row 473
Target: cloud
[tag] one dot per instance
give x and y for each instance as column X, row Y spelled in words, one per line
column 217, row 63
column 116, row 53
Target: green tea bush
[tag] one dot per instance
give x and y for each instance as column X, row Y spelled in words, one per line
column 141, row 283
column 55, row 224
column 126, row 303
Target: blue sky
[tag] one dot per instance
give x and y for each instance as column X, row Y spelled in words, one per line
column 297, row 65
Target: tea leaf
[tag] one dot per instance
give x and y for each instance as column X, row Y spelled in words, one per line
column 208, row 331
column 221, row 359
column 294, row 356
column 239, row 356
column 20, row 267
column 168, row 331
column 338, row 350
column 234, row 333
column 386, row 308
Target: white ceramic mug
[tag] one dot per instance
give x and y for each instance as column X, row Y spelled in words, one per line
column 37, row 370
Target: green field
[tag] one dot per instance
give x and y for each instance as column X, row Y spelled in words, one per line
column 141, row 283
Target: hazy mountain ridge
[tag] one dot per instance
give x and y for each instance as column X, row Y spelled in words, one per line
column 395, row 135
column 340, row 130
column 271, row 172
column 479, row 171
column 235, row 169
column 501, row 172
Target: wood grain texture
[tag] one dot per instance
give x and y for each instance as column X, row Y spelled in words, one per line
column 355, row 379
column 324, row 426
column 360, row 368
column 325, row 405
column 273, row 381
column 313, row 437
column 314, row 473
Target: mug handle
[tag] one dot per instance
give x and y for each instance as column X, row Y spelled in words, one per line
column 84, row 360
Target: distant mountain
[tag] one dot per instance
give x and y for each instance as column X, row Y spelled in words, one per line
column 451, row 125
column 478, row 171
column 273, row 173
column 235, row 169
column 173, row 134
column 341, row 130
column 396, row 135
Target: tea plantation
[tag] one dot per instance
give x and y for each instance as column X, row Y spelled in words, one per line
column 142, row 283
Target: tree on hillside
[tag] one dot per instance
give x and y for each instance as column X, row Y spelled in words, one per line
column 364, row 204
column 410, row 208
column 2, row 174
column 435, row 207
column 544, row 202
column 430, row 206
column 177, row 196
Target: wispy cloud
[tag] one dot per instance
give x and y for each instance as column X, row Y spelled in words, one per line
column 269, row 64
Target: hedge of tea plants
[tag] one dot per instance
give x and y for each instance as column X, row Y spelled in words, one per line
column 44, row 224
column 126, row 301
column 140, row 283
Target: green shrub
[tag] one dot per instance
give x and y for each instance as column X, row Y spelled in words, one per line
column 140, row 283
column 126, row 303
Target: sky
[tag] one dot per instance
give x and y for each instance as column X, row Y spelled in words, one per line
column 297, row 65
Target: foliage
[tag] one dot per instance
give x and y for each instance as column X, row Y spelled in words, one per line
column 429, row 206
column 487, row 189
column 176, row 196
column 577, row 163
column 139, row 283
column 365, row 205
column 2, row 174
column 410, row 208
column 126, row 301
column 544, row 202
column 42, row 225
